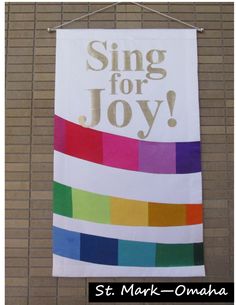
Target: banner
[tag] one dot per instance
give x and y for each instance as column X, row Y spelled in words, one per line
column 127, row 168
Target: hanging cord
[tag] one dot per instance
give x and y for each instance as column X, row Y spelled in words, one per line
column 167, row 16
column 50, row 30
column 81, row 17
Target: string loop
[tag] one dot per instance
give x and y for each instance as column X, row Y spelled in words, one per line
column 53, row 29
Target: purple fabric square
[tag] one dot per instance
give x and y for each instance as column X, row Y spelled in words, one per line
column 188, row 157
column 157, row 157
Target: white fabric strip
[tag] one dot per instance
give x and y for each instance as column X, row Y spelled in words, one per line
column 169, row 235
column 100, row 179
column 68, row 267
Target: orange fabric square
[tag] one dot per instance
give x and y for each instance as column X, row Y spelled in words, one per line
column 194, row 213
column 162, row 214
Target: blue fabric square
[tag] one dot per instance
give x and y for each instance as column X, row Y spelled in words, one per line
column 99, row 250
column 66, row 243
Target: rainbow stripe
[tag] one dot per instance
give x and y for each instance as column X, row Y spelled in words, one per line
column 111, row 251
column 126, row 153
column 98, row 208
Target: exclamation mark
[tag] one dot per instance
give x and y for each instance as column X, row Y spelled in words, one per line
column 171, row 103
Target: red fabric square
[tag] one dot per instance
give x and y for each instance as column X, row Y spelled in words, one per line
column 83, row 143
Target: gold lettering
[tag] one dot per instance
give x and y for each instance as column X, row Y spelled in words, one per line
column 96, row 54
column 113, row 81
column 112, row 113
column 114, row 57
column 139, row 85
column 139, row 60
column 171, row 96
column 126, row 89
column 95, row 109
column 153, row 70
column 150, row 118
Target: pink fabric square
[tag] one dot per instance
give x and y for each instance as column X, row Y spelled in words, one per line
column 120, row 152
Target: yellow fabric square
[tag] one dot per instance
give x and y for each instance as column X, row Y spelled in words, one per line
column 129, row 212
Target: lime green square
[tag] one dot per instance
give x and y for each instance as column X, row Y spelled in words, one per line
column 62, row 201
column 90, row 206
column 170, row 255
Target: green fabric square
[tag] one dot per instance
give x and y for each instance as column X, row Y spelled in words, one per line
column 174, row 255
column 90, row 206
column 62, row 201
column 198, row 254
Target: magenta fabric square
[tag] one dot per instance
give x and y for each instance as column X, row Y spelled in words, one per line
column 59, row 133
column 157, row 157
column 120, row 152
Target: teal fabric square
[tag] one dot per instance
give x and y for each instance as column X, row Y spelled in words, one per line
column 135, row 253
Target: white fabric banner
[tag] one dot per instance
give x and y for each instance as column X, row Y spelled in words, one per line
column 127, row 167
